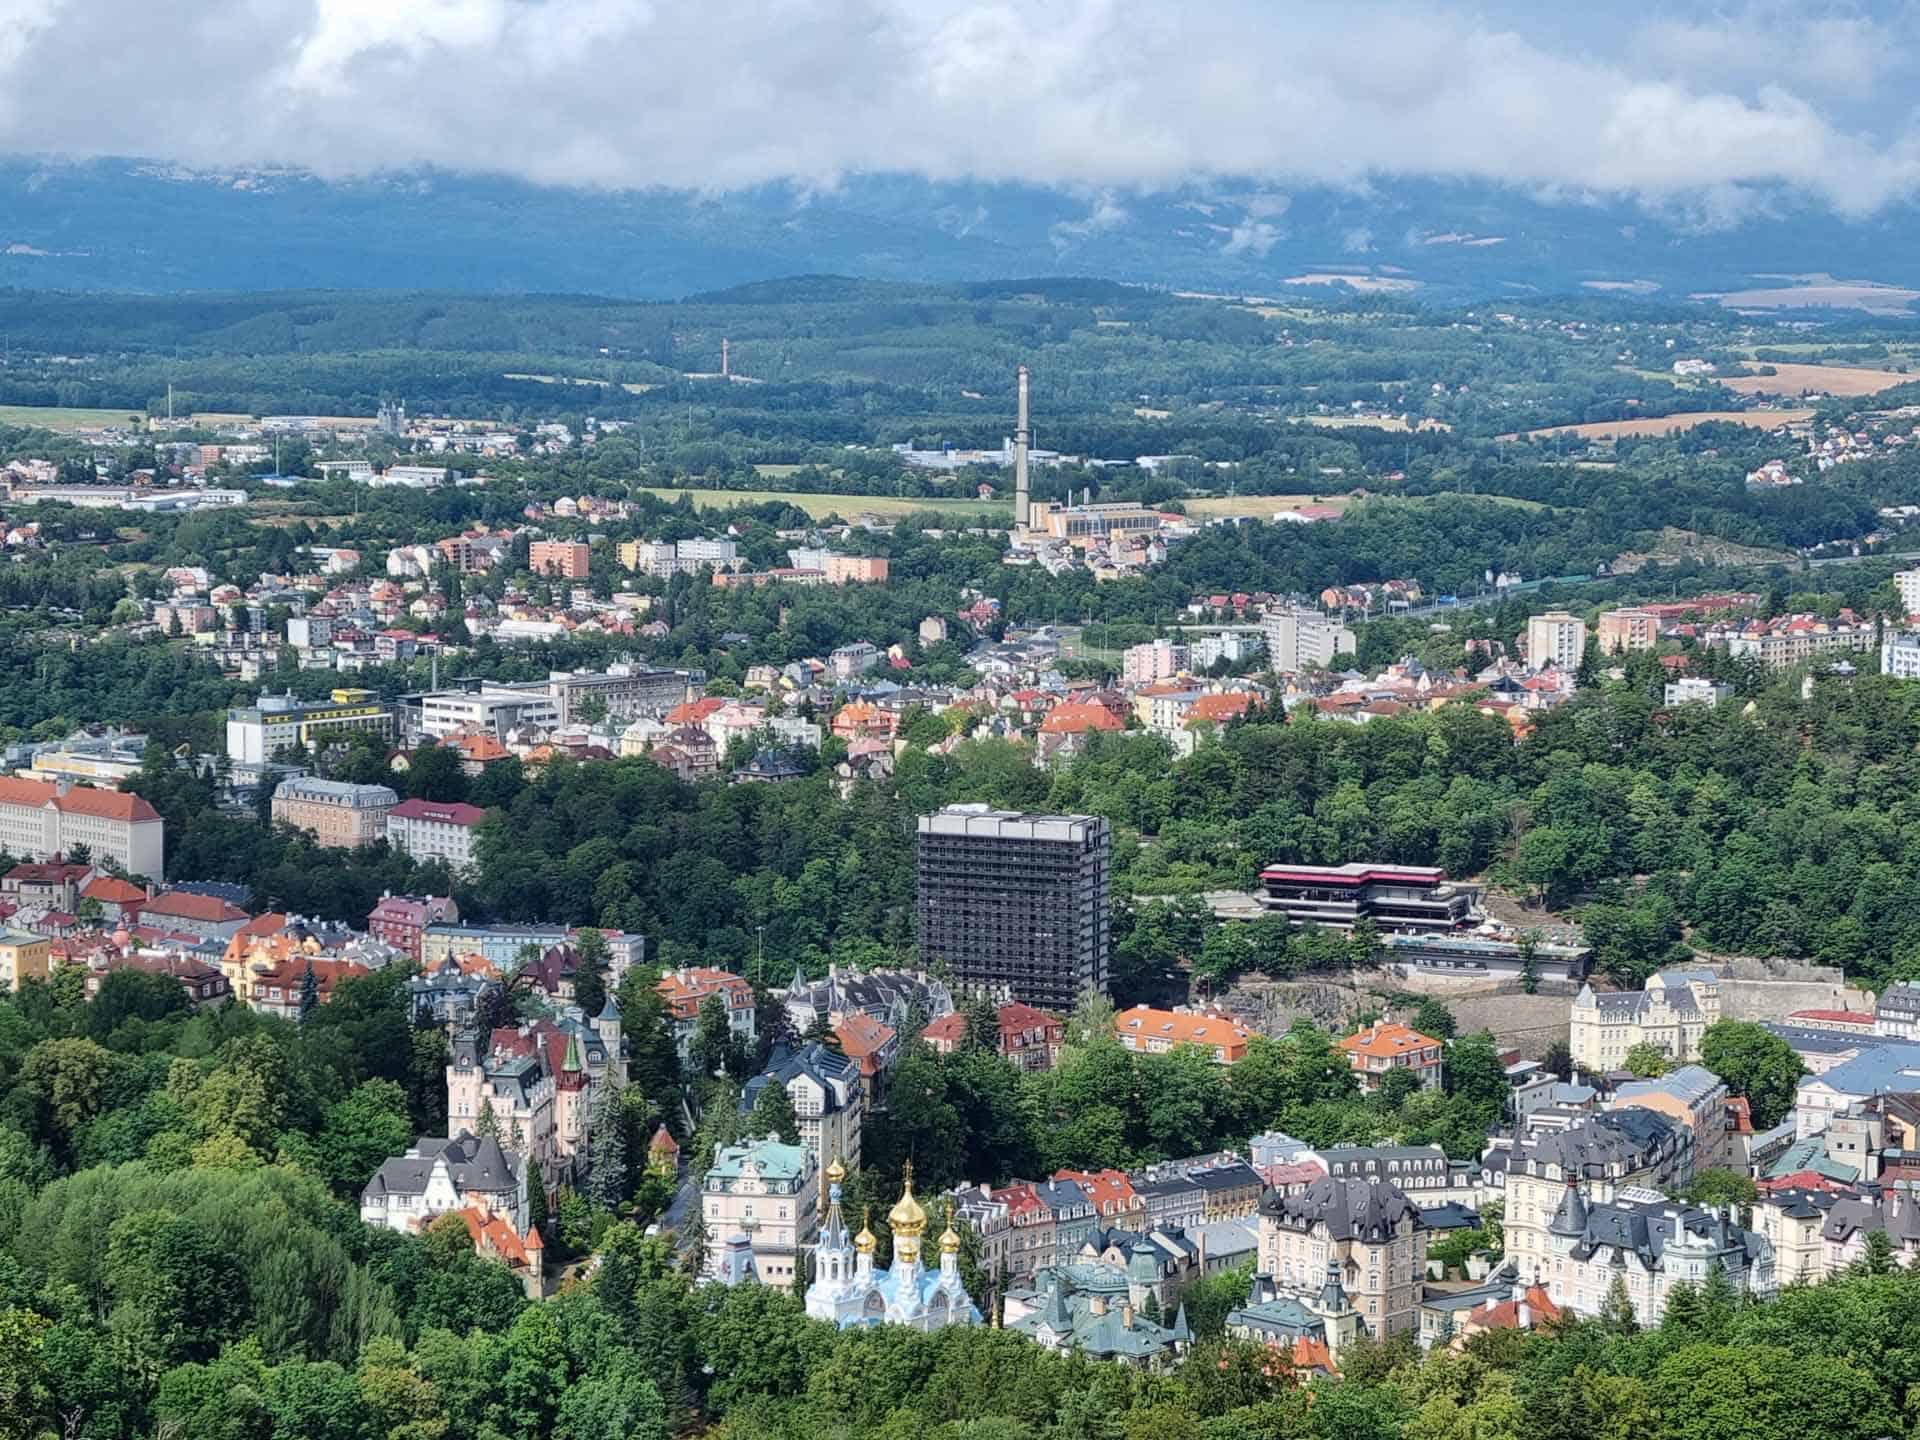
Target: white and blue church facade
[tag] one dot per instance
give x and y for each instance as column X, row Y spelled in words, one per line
column 848, row 1290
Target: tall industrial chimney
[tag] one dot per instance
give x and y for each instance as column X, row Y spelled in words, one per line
column 1020, row 438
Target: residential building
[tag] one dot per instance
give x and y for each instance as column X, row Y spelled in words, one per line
column 1147, row 1031
column 1152, row 660
column 1697, row 1098
column 848, row 1289
column 437, row 1176
column 1396, row 898
column 205, row 985
column 1100, row 1325
column 888, row 996
column 1421, row 1172
column 1016, row 904
column 1174, row 1199
column 1615, row 1154
column 47, row 819
column 259, row 732
column 1790, row 639
column 338, row 815
column 1230, row 1190
column 534, row 1085
column 1622, row 631
column 829, row 1101
column 1555, row 638
column 1030, row 1228
column 1817, row 1232
column 402, row 920
column 1383, row 1047
column 23, row 957
column 1900, row 654
column 664, row 558
column 568, row 559
column 1907, row 584
column 55, row 884
column 1897, row 1015
column 1642, row 1241
column 768, row 1193
column 281, row 989
column 1071, row 1209
column 1693, row 690
column 1032, row 1039
column 683, row 992
column 1365, row 1235
column 1304, row 640
column 870, row 1045
column 1892, row 1067
column 182, row 912
column 1672, row 1012
column 430, row 830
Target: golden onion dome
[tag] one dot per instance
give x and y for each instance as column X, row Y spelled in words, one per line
column 949, row 1242
column 836, row 1172
column 907, row 1219
column 865, row 1241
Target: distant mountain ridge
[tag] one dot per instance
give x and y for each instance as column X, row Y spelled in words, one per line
column 128, row 225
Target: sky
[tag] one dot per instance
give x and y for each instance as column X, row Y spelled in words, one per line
column 1707, row 104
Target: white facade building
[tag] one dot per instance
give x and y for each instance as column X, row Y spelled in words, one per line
column 1304, row 639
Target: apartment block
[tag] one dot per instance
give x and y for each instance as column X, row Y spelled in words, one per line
column 1621, row 631
column 1557, row 639
column 1016, row 903
column 566, row 558
column 1305, row 639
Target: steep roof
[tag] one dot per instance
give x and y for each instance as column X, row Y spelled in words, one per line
column 1365, row 1210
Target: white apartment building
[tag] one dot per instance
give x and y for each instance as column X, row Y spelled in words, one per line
column 1305, row 639
column 40, row 819
column 430, row 830
column 1555, row 638
column 1900, row 652
column 1907, row 582
column 494, row 709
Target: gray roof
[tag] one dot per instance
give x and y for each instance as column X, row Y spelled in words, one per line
column 1818, row 1040
column 1224, row 1238
column 1874, row 1071
column 1236, row 1176
column 1632, row 1138
column 1367, row 1210
column 1644, row 1228
column 475, row 1164
column 826, row 1067
column 1900, row 999
column 1690, row 1084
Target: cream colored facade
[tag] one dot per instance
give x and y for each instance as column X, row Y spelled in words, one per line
column 23, row 957
column 339, row 816
column 1556, row 638
column 1672, row 1012
column 1368, row 1231
column 768, row 1192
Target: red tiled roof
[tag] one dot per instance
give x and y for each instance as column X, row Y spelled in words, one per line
column 185, row 905
column 1076, row 719
column 1505, row 1314
column 861, row 1037
column 1833, row 1017
column 444, row 813
column 80, row 800
column 112, row 890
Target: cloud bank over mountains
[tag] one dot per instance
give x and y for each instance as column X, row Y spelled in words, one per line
column 1704, row 106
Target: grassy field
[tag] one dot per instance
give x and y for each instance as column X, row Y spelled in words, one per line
column 1262, row 507
column 1673, row 424
column 59, row 417
column 1797, row 380
column 820, row 506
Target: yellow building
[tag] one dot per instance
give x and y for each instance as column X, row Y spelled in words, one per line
column 23, row 957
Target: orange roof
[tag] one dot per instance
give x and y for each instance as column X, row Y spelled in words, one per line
column 1219, row 708
column 1387, row 1041
column 683, row 990
column 1076, row 719
column 80, row 800
column 184, row 905
column 1109, row 1190
column 1832, row 1017
column 1313, row 1355
column 664, row 1142
column 1143, row 1023
column 1505, row 1314
column 480, row 748
column 493, row 1235
column 861, row 1036
column 112, row 890
column 694, row 712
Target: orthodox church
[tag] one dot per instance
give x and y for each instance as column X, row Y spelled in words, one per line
column 849, row 1291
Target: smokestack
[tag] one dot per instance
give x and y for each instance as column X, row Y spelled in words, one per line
column 1020, row 439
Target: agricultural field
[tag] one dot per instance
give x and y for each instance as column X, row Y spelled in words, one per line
column 1261, row 507
column 1672, row 424
column 1398, row 424
column 60, row 417
column 1795, row 381
column 821, row 506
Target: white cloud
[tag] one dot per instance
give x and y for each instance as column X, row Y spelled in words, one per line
column 1108, row 96
column 1252, row 237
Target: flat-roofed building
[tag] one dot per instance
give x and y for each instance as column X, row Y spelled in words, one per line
column 1394, row 897
column 1016, row 903
column 257, row 733
column 1622, row 631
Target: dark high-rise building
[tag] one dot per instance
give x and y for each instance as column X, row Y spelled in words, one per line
column 1016, row 902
